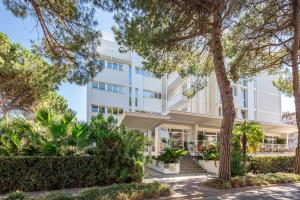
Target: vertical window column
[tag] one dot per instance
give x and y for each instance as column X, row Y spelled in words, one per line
column 136, row 97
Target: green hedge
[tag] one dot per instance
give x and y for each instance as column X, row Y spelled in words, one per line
column 271, row 164
column 36, row 173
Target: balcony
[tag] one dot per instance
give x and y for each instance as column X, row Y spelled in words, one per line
column 177, row 100
column 174, row 80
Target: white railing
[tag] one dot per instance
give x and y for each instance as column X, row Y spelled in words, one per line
column 173, row 100
column 195, row 153
column 267, row 148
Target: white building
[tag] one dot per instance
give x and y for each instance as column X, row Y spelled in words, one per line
column 158, row 107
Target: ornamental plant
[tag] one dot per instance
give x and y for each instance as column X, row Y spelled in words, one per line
column 171, row 155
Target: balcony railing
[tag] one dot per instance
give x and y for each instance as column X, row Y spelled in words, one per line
column 177, row 100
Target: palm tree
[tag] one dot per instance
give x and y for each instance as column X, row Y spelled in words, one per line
column 61, row 132
column 248, row 132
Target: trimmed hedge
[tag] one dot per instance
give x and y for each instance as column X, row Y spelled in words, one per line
column 34, row 173
column 271, row 164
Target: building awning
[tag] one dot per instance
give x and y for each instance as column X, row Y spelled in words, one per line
column 142, row 121
column 146, row 121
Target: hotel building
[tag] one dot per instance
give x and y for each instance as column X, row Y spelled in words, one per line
column 158, row 107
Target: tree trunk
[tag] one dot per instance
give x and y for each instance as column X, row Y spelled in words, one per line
column 295, row 72
column 226, row 95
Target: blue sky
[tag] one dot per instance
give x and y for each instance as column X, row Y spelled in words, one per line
column 24, row 30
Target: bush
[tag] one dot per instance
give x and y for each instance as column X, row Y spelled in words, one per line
column 171, row 155
column 56, row 196
column 271, row 164
column 132, row 191
column 35, row 173
column 16, row 196
column 256, row 180
column 211, row 152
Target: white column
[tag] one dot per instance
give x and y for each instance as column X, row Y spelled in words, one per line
column 194, row 134
column 149, row 139
column 287, row 140
column 157, row 140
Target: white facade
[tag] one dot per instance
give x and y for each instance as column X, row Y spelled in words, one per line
column 123, row 85
column 158, row 106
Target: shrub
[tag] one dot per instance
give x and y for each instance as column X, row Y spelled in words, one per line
column 35, row 173
column 255, row 180
column 238, row 167
column 211, row 153
column 56, row 196
column 16, row 196
column 271, row 164
column 171, row 155
column 132, row 191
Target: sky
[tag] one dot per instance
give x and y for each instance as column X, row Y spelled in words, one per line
column 24, row 30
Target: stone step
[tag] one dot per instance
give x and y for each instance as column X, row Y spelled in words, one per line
column 188, row 165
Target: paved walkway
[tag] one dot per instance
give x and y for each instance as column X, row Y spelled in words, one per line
column 191, row 186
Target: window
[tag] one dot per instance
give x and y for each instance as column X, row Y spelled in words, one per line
column 130, row 96
column 101, row 63
column 109, row 65
column 110, row 110
column 234, row 91
column 244, row 98
column 243, row 82
column 148, row 94
column 141, row 71
column 95, row 85
column 120, row 111
column 130, row 75
column 136, row 96
column 109, row 87
column 101, row 86
column 244, row 114
column 95, row 108
column 151, row 94
column 102, row 109
column 115, row 111
column 115, row 88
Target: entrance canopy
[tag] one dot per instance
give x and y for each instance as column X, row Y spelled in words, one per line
column 146, row 121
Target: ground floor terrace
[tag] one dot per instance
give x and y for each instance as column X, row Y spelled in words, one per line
column 194, row 132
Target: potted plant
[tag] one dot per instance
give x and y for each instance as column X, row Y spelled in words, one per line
column 210, row 161
column 168, row 161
